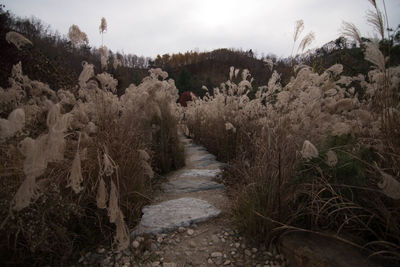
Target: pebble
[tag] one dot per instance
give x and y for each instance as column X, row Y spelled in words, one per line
column 216, row 254
column 227, row 262
column 169, row 264
column 223, row 240
column 237, row 245
column 155, row 264
column 181, row 229
column 190, row 232
column 247, row 252
column 254, row 250
column 209, row 261
column 192, row 244
column 160, row 239
column 135, row 244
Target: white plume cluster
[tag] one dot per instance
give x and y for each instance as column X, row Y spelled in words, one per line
column 17, row 39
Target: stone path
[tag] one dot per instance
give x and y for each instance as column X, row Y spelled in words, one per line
column 189, row 224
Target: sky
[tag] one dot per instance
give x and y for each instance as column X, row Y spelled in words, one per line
column 151, row 27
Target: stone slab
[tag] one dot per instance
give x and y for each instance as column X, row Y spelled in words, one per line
column 200, row 173
column 184, row 186
column 206, row 157
column 169, row 215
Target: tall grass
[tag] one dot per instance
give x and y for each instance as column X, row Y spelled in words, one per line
column 340, row 188
column 78, row 166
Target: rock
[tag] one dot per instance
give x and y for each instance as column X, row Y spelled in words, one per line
column 227, row 262
column 186, row 186
column 101, row 250
column 171, row 214
column 190, row 232
column 155, row 264
column 169, row 264
column 192, row 244
column 223, row 240
column 214, row 239
column 237, row 245
column 159, row 239
column 216, row 254
column 200, row 173
column 247, row 252
column 209, row 261
column 135, row 244
column 181, row 229
column 254, row 250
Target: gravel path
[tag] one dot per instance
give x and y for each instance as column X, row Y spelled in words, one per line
column 189, row 224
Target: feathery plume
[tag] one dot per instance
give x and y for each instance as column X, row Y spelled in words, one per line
column 389, row 185
column 17, row 39
column 298, row 29
column 306, row 41
column 14, row 123
column 122, row 232
column 101, row 197
column 75, row 177
column 350, row 31
column 309, row 151
column 77, row 36
column 374, row 55
column 332, row 159
column 113, row 208
column 375, row 19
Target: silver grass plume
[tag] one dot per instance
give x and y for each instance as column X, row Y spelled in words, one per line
column 389, row 185
column 309, row 151
column 77, row 36
column 122, row 237
column 75, row 177
column 349, row 30
column 101, row 197
column 14, row 123
column 17, row 39
column 332, row 159
column 375, row 19
column 306, row 41
column 374, row 55
column 113, row 207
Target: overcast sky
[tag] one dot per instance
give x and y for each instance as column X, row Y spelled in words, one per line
column 151, row 27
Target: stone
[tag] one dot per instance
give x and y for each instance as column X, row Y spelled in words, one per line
column 216, row 254
column 227, row 262
column 169, row 264
column 247, row 252
column 237, row 245
column 155, row 264
column 169, row 215
column 186, row 186
column 192, row 244
column 200, row 173
column 190, row 232
column 214, row 239
column 181, row 229
column 206, row 157
column 135, row 244
column 254, row 250
column 209, row 261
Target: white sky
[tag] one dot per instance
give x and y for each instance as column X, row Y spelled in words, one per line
column 151, row 27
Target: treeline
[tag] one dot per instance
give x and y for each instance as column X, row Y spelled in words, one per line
column 54, row 60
